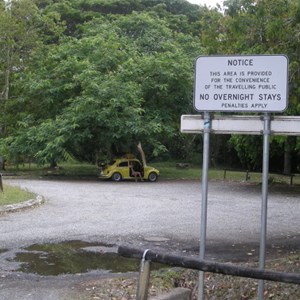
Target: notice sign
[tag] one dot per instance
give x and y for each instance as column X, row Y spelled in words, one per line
column 241, row 83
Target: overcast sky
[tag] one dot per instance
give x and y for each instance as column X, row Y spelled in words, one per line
column 211, row 3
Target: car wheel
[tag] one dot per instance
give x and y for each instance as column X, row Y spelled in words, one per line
column 152, row 177
column 116, row 177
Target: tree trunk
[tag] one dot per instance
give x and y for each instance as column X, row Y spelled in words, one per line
column 5, row 91
column 53, row 164
column 287, row 167
column 2, row 163
column 5, row 96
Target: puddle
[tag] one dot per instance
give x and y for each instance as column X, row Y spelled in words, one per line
column 74, row 257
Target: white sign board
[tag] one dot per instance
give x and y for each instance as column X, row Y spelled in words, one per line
column 241, row 124
column 241, row 83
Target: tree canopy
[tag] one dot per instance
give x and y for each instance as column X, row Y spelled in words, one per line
column 89, row 79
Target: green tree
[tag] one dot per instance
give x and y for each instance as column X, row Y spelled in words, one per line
column 265, row 27
column 23, row 30
column 124, row 80
column 18, row 37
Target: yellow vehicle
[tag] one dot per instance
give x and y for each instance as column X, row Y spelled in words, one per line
column 121, row 168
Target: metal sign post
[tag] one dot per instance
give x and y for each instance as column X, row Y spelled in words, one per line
column 206, row 142
column 1, row 183
column 264, row 202
column 239, row 124
column 246, row 83
column 251, row 125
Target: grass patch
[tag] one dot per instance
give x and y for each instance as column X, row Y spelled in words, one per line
column 168, row 171
column 12, row 195
column 69, row 170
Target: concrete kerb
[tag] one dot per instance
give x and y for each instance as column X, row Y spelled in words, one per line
column 175, row 294
column 23, row 205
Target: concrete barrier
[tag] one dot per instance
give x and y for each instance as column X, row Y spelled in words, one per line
column 175, row 294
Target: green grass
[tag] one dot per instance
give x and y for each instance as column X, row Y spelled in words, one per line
column 168, row 171
column 11, row 195
column 73, row 170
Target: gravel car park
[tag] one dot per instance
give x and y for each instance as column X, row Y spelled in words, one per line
column 164, row 216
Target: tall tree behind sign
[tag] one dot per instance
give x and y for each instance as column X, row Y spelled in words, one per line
column 266, row 27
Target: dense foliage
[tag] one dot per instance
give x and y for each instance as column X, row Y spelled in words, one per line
column 90, row 79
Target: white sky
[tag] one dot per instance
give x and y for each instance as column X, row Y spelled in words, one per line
column 209, row 3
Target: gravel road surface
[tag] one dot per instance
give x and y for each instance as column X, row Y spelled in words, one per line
column 128, row 211
column 165, row 214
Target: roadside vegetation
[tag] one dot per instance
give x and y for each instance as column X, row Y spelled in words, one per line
column 169, row 170
column 12, row 195
column 87, row 80
column 217, row 287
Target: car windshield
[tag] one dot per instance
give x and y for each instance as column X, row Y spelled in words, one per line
column 112, row 162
